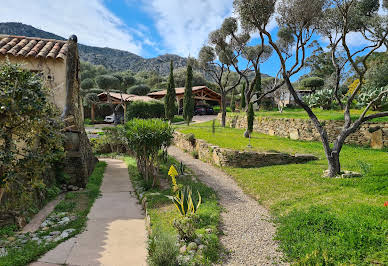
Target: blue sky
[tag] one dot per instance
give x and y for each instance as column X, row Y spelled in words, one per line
column 145, row 27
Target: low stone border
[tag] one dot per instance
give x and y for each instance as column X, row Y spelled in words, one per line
column 234, row 158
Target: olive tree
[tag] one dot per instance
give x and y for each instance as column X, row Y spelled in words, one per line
column 219, row 68
column 299, row 22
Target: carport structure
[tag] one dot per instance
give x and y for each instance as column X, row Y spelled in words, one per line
column 118, row 99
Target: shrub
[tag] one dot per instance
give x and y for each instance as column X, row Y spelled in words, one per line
column 190, row 137
column 146, row 138
column 366, row 95
column 321, row 98
column 30, row 140
column 115, row 138
column 145, row 110
column 162, row 248
column 139, row 90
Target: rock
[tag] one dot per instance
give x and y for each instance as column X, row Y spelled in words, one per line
column 246, row 134
column 294, row 134
column 45, row 228
column 64, row 221
column 201, row 247
column 350, row 174
column 3, row 252
column 197, row 241
column 47, row 238
column 23, row 241
column 377, row 140
column 65, row 234
column 35, row 239
column 182, row 249
column 306, row 157
column 192, row 246
column 55, row 233
column 46, row 223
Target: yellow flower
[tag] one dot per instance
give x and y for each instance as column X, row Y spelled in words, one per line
column 173, row 173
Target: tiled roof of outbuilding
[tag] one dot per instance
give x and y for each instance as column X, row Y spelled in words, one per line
column 32, row 47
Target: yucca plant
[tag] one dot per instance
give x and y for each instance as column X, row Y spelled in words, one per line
column 184, row 201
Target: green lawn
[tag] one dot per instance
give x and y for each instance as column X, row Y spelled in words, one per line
column 321, row 114
column 321, row 220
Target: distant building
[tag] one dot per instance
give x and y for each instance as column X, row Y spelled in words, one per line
column 201, row 94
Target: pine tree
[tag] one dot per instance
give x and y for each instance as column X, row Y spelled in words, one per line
column 250, row 118
column 232, row 103
column 170, row 98
column 188, row 100
column 243, row 103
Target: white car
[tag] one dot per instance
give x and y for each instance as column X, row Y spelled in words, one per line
column 110, row 118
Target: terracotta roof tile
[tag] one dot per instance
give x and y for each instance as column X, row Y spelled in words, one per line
column 32, row 47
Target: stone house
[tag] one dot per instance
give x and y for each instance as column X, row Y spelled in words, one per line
column 58, row 63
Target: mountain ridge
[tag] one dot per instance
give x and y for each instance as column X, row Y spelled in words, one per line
column 113, row 59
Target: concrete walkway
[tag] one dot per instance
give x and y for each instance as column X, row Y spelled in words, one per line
column 115, row 233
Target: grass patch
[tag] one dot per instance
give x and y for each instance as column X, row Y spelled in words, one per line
column 75, row 203
column 321, row 220
column 162, row 212
column 321, row 114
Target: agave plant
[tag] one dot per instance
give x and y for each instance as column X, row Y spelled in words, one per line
column 184, row 201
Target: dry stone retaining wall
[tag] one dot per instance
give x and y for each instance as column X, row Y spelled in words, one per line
column 370, row 134
column 227, row 157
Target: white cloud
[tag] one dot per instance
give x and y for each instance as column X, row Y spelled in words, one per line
column 90, row 20
column 184, row 25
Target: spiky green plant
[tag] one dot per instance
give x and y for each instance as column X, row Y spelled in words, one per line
column 184, row 201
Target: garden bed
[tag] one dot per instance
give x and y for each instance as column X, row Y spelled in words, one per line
column 320, row 220
column 67, row 220
column 164, row 244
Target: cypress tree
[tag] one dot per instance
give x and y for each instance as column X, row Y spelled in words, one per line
column 250, row 118
column 170, row 98
column 232, row 103
column 243, row 103
column 188, row 100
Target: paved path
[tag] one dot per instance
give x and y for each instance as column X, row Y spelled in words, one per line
column 248, row 232
column 115, row 233
column 38, row 219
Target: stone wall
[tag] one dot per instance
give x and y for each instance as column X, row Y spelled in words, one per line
column 370, row 134
column 227, row 157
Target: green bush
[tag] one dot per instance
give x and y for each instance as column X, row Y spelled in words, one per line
column 139, row 90
column 115, row 138
column 30, row 139
column 162, row 249
column 145, row 110
column 146, row 137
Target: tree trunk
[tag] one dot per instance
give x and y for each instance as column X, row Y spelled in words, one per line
column 334, row 164
column 223, row 109
column 2, row 190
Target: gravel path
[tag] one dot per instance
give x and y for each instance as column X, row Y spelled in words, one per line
column 248, row 231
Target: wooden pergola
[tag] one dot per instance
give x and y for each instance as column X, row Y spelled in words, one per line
column 200, row 93
column 118, row 99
